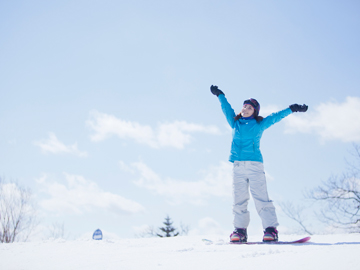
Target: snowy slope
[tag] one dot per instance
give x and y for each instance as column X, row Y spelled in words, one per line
column 323, row 252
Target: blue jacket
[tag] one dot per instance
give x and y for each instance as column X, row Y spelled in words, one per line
column 246, row 134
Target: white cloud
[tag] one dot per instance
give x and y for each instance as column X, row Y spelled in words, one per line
column 53, row 145
column 267, row 110
column 12, row 142
column 79, row 195
column 208, row 226
column 331, row 121
column 176, row 134
column 216, row 181
column 124, row 167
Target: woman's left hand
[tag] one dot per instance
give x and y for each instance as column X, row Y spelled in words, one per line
column 298, row 108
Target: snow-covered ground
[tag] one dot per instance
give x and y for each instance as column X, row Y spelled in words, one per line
column 185, row 252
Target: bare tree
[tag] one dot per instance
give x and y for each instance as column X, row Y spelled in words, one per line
column 295, row 213
column 355, row 153
column 57, row 230
column 149, row 231
column 184, row 229
column 17, row 214
column 341, row 198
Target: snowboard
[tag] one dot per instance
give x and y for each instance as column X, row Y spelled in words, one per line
column 299, row 241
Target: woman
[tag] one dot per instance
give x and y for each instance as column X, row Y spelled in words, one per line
column 248, row 170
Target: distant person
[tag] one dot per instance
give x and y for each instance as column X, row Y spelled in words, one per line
column 247, row 129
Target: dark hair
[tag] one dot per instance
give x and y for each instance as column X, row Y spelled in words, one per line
column 257, row 118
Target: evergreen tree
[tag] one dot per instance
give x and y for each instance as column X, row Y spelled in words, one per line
column 169, row 230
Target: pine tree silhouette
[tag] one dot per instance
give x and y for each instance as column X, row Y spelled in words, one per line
column 169, row 230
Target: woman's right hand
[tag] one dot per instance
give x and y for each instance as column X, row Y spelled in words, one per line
column 215, row 90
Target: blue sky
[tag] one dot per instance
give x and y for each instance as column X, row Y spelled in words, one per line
column 107, row 116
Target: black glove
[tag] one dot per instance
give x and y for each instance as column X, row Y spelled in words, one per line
column 216, row 91
column 298, row 108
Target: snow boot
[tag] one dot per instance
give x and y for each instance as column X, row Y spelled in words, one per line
column 239, row 235
column 270, row 235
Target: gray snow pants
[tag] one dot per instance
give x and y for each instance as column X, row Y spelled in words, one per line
column 245, row 174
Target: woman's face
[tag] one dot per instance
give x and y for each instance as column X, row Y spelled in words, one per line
column 247, row 110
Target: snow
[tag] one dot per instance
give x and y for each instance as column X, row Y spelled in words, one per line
column 183, row 252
